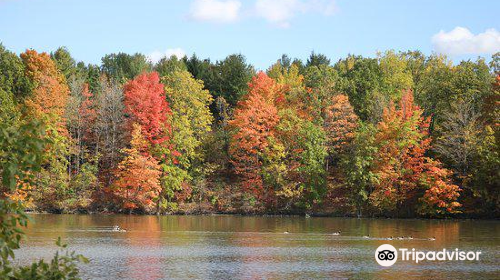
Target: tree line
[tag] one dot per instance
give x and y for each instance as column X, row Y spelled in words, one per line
column 400, row 135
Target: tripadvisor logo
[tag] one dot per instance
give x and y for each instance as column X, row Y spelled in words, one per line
column 387, row 255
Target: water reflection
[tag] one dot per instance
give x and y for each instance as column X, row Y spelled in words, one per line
column 143, row 234
column 234, row 247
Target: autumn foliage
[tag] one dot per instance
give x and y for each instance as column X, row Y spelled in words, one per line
column 146, row 105
column 198, row 136
column 87, row 112
column 340, row 124
column 255, row 119
column 50, row 92
column 441, row 194
column 402, row 168
column 138, row 174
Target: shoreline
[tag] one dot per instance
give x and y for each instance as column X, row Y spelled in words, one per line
column 313, row 215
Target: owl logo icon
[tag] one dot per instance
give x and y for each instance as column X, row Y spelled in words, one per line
column 386, row 255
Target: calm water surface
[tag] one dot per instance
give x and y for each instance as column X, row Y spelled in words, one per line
column 234, row 247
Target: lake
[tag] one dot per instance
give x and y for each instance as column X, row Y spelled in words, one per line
column 240, row 247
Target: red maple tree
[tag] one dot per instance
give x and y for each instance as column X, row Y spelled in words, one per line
column 146, row 105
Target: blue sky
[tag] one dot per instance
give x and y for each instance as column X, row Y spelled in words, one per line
column 262, row 30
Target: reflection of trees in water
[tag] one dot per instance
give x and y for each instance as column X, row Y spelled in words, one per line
column 143, row 238
column 218, row 247
column 445, row 232
column 275, row 247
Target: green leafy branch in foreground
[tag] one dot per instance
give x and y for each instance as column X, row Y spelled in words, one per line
column 21, row 148
column 60, row 267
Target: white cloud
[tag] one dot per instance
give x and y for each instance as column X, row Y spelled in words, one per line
column 221, row 11
column 280, row 12
column 461, row 41
column 155, row 56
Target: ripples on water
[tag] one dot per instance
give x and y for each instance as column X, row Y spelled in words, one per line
column 235, row 247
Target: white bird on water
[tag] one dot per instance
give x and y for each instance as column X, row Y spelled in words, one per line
column 117, row 228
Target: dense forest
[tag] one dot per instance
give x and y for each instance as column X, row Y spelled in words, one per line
column 399, row 135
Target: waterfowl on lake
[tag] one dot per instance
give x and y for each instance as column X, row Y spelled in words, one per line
column 117, row 228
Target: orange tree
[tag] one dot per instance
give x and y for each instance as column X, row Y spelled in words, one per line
column 405, row 176
column 47, row 102
column 254, row 123
column 138, row 183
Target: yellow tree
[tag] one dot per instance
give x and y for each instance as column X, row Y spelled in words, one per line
column 190, row 122
column 191, row 118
